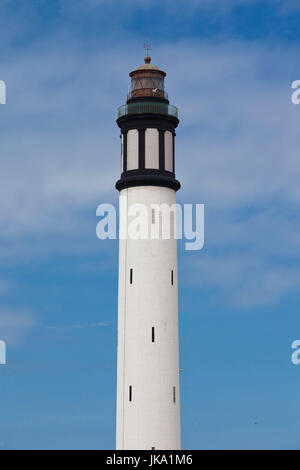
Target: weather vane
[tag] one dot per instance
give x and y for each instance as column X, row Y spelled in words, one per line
column 147, row 47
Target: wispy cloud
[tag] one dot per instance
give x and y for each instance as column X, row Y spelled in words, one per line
column 237, row 148
column 240, row 159
column 15, row 324
column 77, row 327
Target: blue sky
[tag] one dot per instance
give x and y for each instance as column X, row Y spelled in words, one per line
column 230, row 66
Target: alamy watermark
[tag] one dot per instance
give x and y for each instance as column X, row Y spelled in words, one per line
column 2, row 92
column 2, row 352
column 295, row 358
column 296, row 94
column 153, row 222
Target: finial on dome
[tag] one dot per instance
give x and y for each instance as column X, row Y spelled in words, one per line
column 147, row 47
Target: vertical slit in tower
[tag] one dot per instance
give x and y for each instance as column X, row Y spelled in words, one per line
column 131, row 276
column 172, row 277
column 174, row 395
column 153, row 334
column 130, row 393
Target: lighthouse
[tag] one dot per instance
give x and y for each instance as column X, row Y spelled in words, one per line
column 148, row 395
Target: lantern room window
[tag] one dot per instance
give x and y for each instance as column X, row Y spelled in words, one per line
column 147, row 82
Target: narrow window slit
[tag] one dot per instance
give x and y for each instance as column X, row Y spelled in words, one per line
column 130, row 393
column 174, row 395
column 131, row 276
column 153, row 334
column 172, row 277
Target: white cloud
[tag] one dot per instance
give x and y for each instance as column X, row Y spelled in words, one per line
column 15, row 324
column 77, row 327
column 237, row 149
column 288, row 6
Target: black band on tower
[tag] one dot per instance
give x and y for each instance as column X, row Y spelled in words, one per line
column 148, row 180
column 146, row 120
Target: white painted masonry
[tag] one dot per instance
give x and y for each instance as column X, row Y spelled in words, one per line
column 132, row 149
column 151, row 148
column 168, row 151
column 147, row 300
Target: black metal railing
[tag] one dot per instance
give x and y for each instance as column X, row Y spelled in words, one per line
column 146, row 107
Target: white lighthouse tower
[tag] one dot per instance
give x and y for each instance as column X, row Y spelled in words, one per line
column 148, row 399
